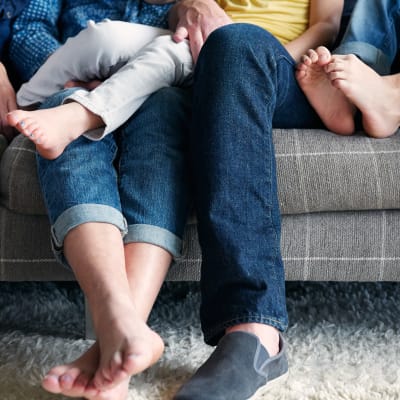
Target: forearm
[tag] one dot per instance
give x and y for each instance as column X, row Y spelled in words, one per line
column 319, row 34
column 324, row 24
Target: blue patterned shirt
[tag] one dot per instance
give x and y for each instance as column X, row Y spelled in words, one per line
column 9, row 9
column 45, row 24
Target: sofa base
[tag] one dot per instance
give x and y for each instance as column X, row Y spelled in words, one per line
column 332, row 246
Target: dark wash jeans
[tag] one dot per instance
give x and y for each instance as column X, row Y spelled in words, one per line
column 135, row 179
column 244, row 84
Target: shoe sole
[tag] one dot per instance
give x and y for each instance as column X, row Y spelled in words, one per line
column 265, row 388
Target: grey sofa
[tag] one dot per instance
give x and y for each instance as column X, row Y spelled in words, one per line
column 339, row 196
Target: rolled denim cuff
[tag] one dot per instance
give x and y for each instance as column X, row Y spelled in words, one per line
column 78, row 215
column 143, row 233
column 369, row 54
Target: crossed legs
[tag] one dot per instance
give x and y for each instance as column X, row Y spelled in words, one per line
column 121, row 284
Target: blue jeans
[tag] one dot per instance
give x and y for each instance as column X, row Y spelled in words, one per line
column 373, row 34
column 134, row 179
column 244, row 84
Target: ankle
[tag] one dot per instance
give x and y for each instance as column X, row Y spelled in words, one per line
column 268, row 335
column 85, row 119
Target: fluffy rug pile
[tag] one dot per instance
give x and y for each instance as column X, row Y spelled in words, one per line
column 343, row 340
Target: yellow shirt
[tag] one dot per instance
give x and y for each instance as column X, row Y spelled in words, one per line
column 285, row 19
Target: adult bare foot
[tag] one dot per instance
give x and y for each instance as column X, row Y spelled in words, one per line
column 374, row 95
column 75, row 379
column 53, row 129
column 332, row 106
column 127, row 345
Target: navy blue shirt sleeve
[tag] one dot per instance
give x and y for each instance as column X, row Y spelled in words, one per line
column 35, row 36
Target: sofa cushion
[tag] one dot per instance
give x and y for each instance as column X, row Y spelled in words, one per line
column 331, row 246
column 317, row 171
column 320, row 171
column 19, row 185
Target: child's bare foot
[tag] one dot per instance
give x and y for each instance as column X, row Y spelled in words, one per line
column 53, row 129
column 332, row 106
column 374, row 95
column 75, row 379
column 127, row 345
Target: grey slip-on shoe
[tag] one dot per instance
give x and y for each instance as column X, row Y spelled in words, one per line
column 238, row 369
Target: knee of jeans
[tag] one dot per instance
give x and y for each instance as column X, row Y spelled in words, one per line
column 234, row 41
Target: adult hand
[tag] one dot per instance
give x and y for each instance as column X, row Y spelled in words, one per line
column 195, row 20
column 7, row 103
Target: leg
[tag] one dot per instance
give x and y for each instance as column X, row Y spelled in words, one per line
column 146, row 264
column 243, row 294
column 153, row 144
column 91, row 224
column 96, row 253
column 95, row 53
column 161, row 63
column 375, row 42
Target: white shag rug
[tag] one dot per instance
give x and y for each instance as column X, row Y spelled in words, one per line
column 343, row 340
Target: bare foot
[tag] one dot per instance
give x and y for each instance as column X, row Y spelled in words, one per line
column 53, row 129
column 127, row 345
column 332, row 106
column 374, row 95
column 75, row 379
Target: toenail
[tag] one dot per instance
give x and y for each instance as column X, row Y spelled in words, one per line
column 22, row 124
column 66, row 378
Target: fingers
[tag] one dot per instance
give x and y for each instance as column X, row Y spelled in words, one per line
column 195, row 20
column 5, row 128
column 180, row 34
column 196, row 43
column 196, row 39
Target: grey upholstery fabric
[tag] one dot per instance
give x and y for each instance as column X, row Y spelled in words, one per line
column 19, row 186
column 340, row 246
column 317, row 171
column 339, row 198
